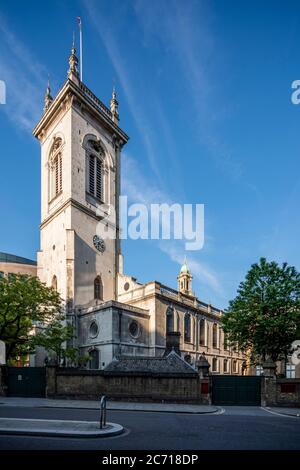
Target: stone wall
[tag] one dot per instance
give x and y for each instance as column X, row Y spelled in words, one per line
column 91, row 384
column 288, row 392
column 280, row 392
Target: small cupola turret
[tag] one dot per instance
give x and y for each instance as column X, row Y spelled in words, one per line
column 185, row 280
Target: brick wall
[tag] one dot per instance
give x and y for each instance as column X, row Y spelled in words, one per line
column 91, row 384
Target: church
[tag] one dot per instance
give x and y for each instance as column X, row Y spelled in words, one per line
column 113, row 314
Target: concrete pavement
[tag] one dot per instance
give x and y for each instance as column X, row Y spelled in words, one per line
column 111, row 405
column 57, row 428
column 284, row 411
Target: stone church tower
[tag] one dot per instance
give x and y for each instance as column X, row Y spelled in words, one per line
column 81, row 144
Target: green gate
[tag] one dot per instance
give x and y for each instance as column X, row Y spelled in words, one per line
column 26, row 381
column 236, row 390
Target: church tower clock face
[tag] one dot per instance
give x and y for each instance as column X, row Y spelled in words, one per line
column 99, row 243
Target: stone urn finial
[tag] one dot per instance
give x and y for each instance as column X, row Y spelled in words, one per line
column 48, row 98
column 73, row 73
column 114, row 106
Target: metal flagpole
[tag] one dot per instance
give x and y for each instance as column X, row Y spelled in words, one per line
column 80, row 43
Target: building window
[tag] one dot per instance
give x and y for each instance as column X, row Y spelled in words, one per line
column 234, row 367
column 202, row 332
column 94, row 359
column 170, row 320
column 94, row 330
column 95, row 159
column 98, row 288
column 215, row 335
column 54, row 283
column 225, row 366
column 259, row 370
column 57, row 170
column 134, row 329
column 225, row 342
column 56, row 180
column 95, row 180
column 215, row 364
column 290, row 371
column 187, row 327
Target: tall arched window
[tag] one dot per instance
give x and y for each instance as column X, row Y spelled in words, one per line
column 187, row 327
column 95, row 158
column 225, row 342
column 95, row 182
column 215, row 335
column 215, row 364
column 202, row 332
column 54, row 283
column 170, row 320
column 98, row 288
column 225, row 366
column 55, row 161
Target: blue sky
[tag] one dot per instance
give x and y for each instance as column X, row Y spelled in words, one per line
column 205, row 95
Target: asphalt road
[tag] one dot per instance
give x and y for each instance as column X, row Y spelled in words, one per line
column 243, row 428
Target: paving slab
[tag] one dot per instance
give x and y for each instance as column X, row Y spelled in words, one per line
column 285, row 411
column 58, row 428
column 111, row 405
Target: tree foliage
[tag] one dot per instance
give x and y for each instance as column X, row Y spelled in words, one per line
column 264, row 318
column 54, row 337
column 24, row 303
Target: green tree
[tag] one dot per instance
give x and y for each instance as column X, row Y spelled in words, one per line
column 54, row 338
column 264, row 318
column 24, row 303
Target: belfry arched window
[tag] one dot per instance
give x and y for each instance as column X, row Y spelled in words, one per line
column 170, row 320
column 56, row 168
column 98, row 288
column 187, row 327
column 95, row 158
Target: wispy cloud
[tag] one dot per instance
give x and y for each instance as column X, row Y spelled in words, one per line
column 25, row 78
column 185, row 31
column 148, row 194
column 136, row 186
column 123, row 72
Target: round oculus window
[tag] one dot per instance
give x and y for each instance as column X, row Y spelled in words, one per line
column 126, row 286
column 134, row 329
column 94, row 329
